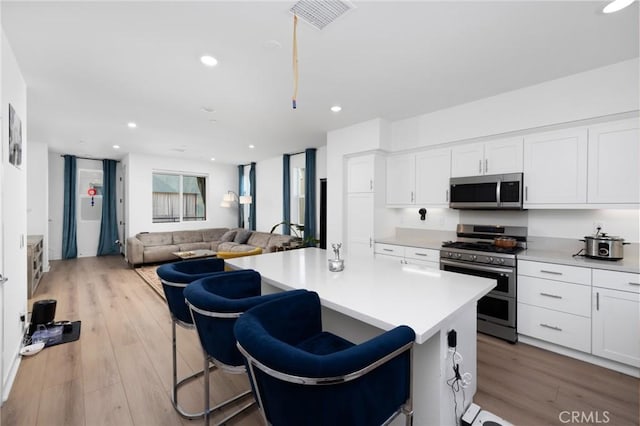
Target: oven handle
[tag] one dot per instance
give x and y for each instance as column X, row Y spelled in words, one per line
column 476, row 267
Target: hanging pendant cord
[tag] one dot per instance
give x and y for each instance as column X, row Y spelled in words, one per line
column 295, row 62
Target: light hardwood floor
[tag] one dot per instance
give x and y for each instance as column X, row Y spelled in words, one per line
column 119, row 372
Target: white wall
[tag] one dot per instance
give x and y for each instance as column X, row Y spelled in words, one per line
column 38, row 195
column 603, row 91
column 221, row 178
column 14, row 219
column 56, row 197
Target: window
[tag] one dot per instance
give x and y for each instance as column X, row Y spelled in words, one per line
column 178, row 198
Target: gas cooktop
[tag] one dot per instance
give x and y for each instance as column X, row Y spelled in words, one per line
column 482, row 246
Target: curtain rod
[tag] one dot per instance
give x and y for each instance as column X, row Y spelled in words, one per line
column 94, row 159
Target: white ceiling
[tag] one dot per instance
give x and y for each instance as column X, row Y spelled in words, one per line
column 91, row 67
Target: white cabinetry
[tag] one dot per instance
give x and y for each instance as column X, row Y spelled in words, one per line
column 419, row 179
column 616, row 316
column 488, row 158
column 409, row 255
column 554, row 304
column 401, row 180
column 365, row 200
column 614, row 163
column 361, row 173
column 555, row 168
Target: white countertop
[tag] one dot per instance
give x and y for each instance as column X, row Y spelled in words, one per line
column 379, row 292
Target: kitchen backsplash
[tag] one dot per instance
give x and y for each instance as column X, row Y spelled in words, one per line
column 543, row 223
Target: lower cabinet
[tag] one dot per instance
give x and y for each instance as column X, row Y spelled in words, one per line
column 616, row 316
column 596, row 313
column 409, row 255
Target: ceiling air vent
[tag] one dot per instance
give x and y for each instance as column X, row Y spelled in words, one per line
column 320, row 13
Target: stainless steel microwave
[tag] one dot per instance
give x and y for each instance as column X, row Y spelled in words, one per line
column 488, row 192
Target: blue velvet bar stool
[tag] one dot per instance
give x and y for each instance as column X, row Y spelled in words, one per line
column 302, row 375
column 174, row 278
column 216, row 302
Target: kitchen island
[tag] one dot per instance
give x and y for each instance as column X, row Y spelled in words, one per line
column 375, row 295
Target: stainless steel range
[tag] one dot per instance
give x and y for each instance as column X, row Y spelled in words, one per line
column 475, row 253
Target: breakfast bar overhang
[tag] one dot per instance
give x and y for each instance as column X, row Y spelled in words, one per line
column 372, row 295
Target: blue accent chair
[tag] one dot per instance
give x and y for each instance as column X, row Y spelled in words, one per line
column 302, row 375
column 216, row 302
column 174, row 278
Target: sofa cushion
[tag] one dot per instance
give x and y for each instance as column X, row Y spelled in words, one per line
column 160, row 253
column 240, row 248
column 242, row 236
column 259, row 239
column 226, row 246
column 277, row 240
column 150, row 239
column 213, row 234
column 205, row 245
column 228, row 236
column 183, row 237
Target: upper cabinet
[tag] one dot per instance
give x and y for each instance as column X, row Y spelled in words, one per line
column 361, row 173
column 555, row 168
column 419, row 179
column 487, row 158
column 614, row 157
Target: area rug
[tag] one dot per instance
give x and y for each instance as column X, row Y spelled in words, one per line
column 149, row 275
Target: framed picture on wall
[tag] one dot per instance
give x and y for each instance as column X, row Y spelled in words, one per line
column 15, row 138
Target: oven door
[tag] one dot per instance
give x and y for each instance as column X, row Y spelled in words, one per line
column 497, row 309
column 505, row 277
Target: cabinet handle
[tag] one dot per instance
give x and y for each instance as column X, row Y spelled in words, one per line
column 550, row 272
column 597, row 301
column 386, row 249
column 551, row 295
column 412, row 196
column 446, row 196
column 632, row 283
column 421, row 254
column 526, row 193
column 480, row 166
column 486, row 165
column 371, row 184
column 370, row 242
column 552, row 327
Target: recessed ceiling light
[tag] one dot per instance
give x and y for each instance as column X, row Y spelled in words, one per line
column 616, row 5
column 208, row 60
column 132, row 125
column 116, row 147
column 252, row 146
column 336, row 108
column 213, row 159
column 207, row 109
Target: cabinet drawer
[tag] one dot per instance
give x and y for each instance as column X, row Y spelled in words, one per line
column 552, row 271
column 564, row 297
column 429, row 255
column 625, row 281
column 563, row 329
column 389, row 249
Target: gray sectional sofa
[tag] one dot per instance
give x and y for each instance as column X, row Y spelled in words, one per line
column 154, row 247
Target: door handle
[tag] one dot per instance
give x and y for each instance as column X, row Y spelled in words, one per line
column 552, row 327
column 551, row 295
column 3, row 279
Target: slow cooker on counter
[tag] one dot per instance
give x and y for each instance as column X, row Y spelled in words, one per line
column 603, row 246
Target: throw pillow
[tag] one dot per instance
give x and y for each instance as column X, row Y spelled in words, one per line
column 242, row 236
column 228, row 236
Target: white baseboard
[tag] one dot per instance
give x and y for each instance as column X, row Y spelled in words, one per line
column 11, row 377
column 582, row 356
